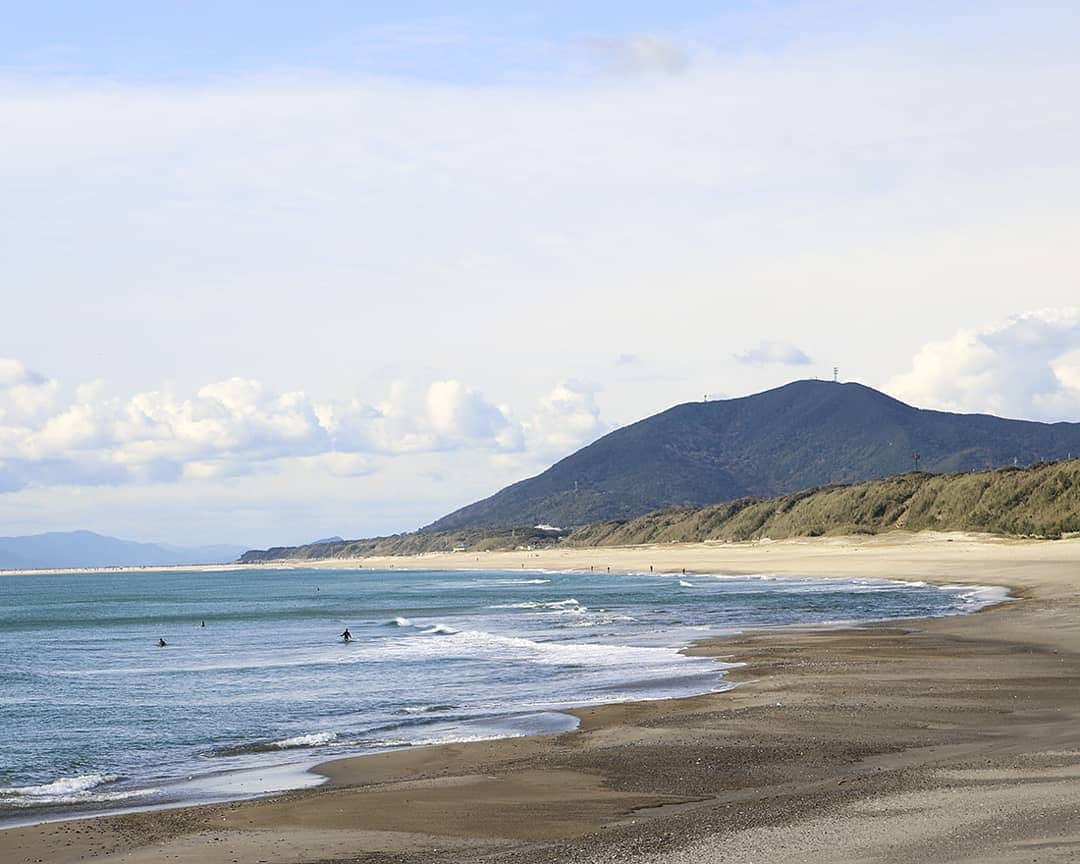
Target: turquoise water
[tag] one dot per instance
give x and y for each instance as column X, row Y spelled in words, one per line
column 255, row 685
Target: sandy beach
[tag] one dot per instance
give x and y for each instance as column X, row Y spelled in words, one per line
column 950, row 739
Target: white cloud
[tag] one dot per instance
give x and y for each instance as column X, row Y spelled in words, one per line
column 568, row 418
column 240, row 427
column 1027, row 366
column 459, row 413
column 773, row 353
column 24, row 395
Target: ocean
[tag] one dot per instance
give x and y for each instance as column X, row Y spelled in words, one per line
column 255, row 685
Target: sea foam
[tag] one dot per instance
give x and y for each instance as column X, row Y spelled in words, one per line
column 79, row 789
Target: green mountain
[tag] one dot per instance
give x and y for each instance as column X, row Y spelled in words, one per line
column 802, row 435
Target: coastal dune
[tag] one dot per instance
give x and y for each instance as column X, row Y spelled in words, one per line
column 949, row 739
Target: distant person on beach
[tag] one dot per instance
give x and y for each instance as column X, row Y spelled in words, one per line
column 347, row 636
column 203, row 624
column 161, row 643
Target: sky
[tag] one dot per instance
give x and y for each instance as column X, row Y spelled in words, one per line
column 277, row 271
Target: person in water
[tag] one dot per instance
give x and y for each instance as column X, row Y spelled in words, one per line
column 347, row 636
column 161, row 643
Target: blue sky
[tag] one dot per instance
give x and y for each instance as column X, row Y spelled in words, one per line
column 458, row 42
column 276, row 271
column 467, row 41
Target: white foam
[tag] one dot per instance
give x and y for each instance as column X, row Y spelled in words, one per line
column 479, row 643
column 684, row 584
column 539, row 604
column 83, row 788
column 976, row 597
column 427, row 709
column 519, row 582
column 439, row 630
column 488, row 583
column 315, row 739
column 63, row 786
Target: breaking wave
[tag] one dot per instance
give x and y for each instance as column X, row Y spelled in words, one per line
column 79, row 789
column 297, row 742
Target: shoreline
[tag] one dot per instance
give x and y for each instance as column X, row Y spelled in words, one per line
column 476, row 797
column 303, row 771
column 598, row 556
column 306, row 768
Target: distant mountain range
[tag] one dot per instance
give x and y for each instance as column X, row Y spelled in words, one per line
column 63, row 549
column 802, row 435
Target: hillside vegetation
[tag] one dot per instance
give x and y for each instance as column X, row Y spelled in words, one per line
column 413, row 543
column 1040, row 501
column 805, row 434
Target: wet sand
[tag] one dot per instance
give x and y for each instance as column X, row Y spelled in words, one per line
column 953, row 739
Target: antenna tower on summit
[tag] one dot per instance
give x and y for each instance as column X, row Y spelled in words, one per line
column 835, row 374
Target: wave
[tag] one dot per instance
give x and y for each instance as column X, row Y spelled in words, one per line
column 315, row 739
column 976, row 597
column 79, row 789
column 436, row 629
column 540, row 604
column 63, row 786
column 684, row 584
column 518, row 582
column 426, row 709
column 482, row 644
column 439, row 630
column 297, row 742
column 387, row 742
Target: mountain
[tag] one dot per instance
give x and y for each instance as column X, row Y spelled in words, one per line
column 61, row 549
column 801, row 435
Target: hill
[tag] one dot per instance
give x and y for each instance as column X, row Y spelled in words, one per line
column 411, row 543
column 1039, row 501
column 62, row 549
column 802, row 435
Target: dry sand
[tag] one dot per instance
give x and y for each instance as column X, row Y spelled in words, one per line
column 952, row 739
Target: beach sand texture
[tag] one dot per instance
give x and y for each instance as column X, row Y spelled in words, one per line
column 952, row 739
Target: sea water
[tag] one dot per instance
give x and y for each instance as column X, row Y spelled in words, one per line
column 255, row 684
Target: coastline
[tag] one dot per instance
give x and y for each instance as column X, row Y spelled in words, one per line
column 827, row 724
column 934, row 557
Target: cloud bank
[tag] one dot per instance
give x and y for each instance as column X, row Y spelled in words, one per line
column 241, row 426
column 1027, row 366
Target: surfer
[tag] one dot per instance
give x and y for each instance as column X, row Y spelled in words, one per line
column 347, row 636
column 161, row 643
